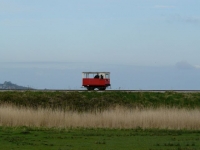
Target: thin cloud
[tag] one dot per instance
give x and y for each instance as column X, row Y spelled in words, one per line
column 197, row 66
column 185, row 65
column 192, row 19
column 12, row 7
column 163, row 6
column 186, row 19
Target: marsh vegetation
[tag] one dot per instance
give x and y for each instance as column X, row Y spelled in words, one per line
column 128, row 110
column 92, row 120
column 117, row 117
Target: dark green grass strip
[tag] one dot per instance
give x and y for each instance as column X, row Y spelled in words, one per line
column 86, row 101
column 97, row 139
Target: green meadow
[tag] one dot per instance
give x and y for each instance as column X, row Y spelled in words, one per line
column 97, row 139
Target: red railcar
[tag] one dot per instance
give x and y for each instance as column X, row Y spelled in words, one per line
column 99, row 80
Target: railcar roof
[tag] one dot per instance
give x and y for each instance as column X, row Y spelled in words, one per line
column 96, row 72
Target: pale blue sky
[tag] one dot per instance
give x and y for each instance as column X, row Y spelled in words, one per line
column 136, row 32
column 145, row 44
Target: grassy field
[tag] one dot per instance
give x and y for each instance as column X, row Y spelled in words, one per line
column 97, row 139
column 93, row 120
column 89, row 101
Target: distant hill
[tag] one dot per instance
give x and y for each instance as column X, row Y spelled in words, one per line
column 10, row 85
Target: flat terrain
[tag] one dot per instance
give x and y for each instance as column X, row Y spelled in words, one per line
column 97, row 139
column 98, row 120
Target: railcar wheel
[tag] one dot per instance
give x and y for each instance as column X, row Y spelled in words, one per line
column 90, row 88
column 102, row 88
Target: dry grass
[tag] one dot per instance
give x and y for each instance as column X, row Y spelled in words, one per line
column 118, row 117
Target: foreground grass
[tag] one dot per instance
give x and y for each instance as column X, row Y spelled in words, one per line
column 82, row 121
column 97, row 139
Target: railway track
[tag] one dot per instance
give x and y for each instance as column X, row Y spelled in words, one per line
column 66, row 90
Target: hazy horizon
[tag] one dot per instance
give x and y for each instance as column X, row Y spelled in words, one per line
column 181, row 76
